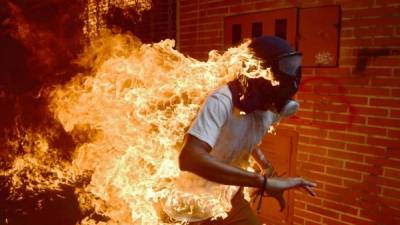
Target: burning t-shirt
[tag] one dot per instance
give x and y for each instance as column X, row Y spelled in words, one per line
column 232, row 137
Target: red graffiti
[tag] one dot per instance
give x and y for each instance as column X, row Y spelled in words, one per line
column 338, row 95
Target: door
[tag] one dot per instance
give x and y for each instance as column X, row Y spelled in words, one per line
column 280, row 150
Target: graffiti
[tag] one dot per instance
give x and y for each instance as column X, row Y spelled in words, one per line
column 323, row 58
column 366, row 195
column 322, row 98
column 365, row 54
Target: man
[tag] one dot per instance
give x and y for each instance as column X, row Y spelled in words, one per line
column 220, row 141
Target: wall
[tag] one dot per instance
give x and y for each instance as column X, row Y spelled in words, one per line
column 150, row 20
column 158, row 23
column 349, row 127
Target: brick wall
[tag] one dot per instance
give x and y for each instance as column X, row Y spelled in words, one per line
column 349, row 122
column 150, row 20
column 158, row 23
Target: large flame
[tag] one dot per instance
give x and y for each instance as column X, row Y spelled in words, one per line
column 135, row 105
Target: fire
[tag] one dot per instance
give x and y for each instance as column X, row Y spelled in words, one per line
column 38, row 169
column 135, row 104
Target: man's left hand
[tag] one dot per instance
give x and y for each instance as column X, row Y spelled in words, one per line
column 276, row 187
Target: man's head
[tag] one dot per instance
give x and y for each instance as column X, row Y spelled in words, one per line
column 285, row 64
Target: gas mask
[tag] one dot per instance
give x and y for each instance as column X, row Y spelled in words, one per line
column 288, row 64
column 289, row 109
column 287, row 70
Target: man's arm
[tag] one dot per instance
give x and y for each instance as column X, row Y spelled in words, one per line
column 265, row 166
column 258, row 155
column 195, row 158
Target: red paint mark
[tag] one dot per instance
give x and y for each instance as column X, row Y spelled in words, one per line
column 339, row 96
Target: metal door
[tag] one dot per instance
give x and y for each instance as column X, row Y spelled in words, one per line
column 281, row 23
column 280, row 150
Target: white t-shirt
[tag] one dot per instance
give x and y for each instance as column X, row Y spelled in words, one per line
column 232, row 137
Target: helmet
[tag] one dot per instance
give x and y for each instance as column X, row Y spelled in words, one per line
column 285, row 64
column 283, row 60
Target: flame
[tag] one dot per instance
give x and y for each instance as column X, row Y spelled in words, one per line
column 135, row 105
column 38, row 169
